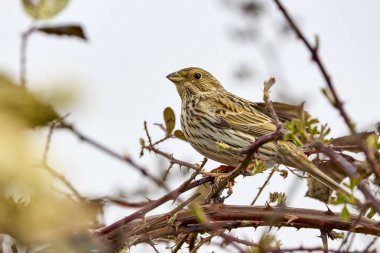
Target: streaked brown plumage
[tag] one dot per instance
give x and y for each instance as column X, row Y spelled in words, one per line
column 210, row 115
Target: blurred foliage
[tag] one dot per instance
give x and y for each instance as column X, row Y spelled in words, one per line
column 267, row 241
column 43, row 9
column 277, row 197
column 31, row 211
column 302, row 131
column 19, row 104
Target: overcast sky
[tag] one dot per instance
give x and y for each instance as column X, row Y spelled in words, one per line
column 119, row 77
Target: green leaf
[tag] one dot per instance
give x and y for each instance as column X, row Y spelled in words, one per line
column 354, row 182
column 169, row 118
column 172, row 219
column 277, row 197
column 43, row 9
column 67, row 30
column 259, row 166
column 18, row 103
column 197, row 211
column 371, row 213
column 338, row 200
column 345, row 215
column 179, row 134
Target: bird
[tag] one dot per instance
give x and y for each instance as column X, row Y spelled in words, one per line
column 211, row 116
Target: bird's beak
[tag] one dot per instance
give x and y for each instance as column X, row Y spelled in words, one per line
column 175, row 77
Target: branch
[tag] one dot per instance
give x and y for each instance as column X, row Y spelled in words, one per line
column 62, row 178
column 229, row 217
column 24, row 43
column 152, row 205
column 264, row 185
column 337, row 103
column 108, row 151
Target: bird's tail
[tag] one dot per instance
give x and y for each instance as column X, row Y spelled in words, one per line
column 303, row 163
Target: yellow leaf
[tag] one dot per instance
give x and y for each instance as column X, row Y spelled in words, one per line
column 179, row 134
column 169, row 118
column 43, row 9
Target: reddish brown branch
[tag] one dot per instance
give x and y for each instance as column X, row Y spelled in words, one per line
column 152, row 205
column 228, row 217
column 338, row 104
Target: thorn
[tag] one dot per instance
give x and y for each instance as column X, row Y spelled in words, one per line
column 328, row 212
column 291, row 219
column 267, row 206
column 149, row 200
column 358, row 226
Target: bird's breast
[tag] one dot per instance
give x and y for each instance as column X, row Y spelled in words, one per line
column 220, row 144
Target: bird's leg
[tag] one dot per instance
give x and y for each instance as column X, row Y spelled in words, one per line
column 219, row 172
column 223, row 169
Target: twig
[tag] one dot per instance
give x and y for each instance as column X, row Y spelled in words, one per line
column 24, row 43
column 154, row 247
column 164, row 217
column 48, row 141
column 167, row 171
column 170, row 157
column 325, row 246
column 264, row 185
column 174, row 195
column 338, row 104
column 362, row 212
column 123, row 158
column 163, row 139
column 152, row 205
column 235, row 239
column 152, row 147
column 62, row 179
column 179, row 245
column 147, row 133
column 123, row 202
column 201, row 243
column 267, row 85
column 367, row 249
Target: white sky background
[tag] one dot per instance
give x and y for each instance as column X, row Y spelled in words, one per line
column 119, row 77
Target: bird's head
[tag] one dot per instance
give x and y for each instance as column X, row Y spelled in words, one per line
column 192, row 81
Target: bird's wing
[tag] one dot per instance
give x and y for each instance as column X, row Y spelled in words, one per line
column 285, row 112
column 238, row 114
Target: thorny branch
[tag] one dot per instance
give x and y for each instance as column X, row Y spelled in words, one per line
column 152, row 205
column 152, row 147
column 229, row 217
column 337, row 103
column 123, row 158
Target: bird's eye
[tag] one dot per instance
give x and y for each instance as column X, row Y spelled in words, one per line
column 197, row 76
